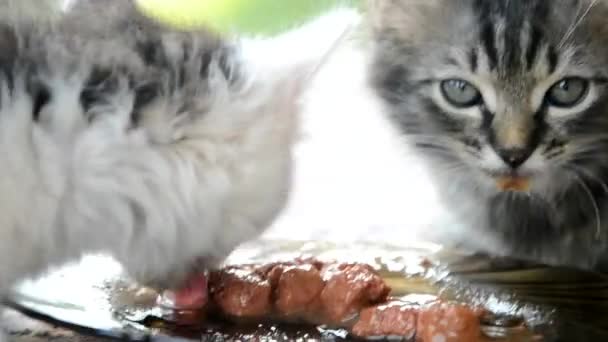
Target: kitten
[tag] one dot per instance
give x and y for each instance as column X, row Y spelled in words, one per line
column 164, row 149
column 506, row 103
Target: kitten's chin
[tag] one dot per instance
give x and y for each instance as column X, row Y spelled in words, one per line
column 523, row 220
column 177, row 277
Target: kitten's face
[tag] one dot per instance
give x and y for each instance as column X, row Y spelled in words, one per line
column 509, row 100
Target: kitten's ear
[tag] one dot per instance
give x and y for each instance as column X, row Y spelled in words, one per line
column 292, row 59
column 32, row 11
column 379, row 9
column 388, row 13
column 409, row 18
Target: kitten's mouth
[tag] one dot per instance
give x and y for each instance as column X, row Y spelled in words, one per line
column 513, row 182
column 192, row 295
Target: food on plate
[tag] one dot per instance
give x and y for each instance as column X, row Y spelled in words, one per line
column 349, row 288
column 304, row 290
column 395, row 318
column 351, row 296
column 435, row 321
column 241, row 292
column 298, row 289
column 448, row 322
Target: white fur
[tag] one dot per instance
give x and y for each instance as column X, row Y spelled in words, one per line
column 160, row 196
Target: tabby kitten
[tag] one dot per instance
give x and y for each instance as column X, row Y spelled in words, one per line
column 164, row 149
column 506, row 102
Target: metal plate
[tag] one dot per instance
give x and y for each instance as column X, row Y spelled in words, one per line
column 94, row 296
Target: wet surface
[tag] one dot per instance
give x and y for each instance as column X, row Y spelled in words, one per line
column 96, row 295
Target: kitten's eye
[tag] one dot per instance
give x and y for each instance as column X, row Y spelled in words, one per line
column 568, row 92
column 460, row 93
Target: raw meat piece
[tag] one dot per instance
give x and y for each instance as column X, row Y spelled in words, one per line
column 241, row 292
column 448, row 322
column 395, row 318
column 348, row 289
column 352, row 296
column 297, row 290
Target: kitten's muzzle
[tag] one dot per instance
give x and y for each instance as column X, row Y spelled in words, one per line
column 514, row 138
column 514, row 157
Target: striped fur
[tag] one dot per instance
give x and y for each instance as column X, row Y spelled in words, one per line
column 513, row 52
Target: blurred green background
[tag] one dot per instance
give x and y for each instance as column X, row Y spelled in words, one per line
column 242, row 16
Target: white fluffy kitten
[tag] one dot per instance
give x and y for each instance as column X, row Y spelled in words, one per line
column 162, row 148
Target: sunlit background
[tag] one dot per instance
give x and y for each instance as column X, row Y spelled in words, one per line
column 354, row 177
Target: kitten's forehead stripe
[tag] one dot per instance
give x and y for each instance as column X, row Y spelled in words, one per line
column 453, row 61
column 533, row 47
column 513, row 38
column 510, row 34
column 488, row 41
column 552, row 59
column 473, row 60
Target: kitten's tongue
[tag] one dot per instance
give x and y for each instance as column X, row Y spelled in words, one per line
column 513, row 183
column 192, row 296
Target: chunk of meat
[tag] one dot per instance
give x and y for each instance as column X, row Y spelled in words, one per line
column 352, row 296
column 297, row 289
column 348, row 289
column 273, row 273
column 448, row 322
column 241, row 292
column 395, row 318
column 274, row 270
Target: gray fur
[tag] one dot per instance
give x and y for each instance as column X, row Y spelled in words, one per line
column 107, row 73
column 513, row 51
column 164, row 149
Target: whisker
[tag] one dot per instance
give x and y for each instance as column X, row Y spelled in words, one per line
column 430, row 136
column 430, row 145
column 472, row 152
column 591, row 137
column 582, row 158
column 451, row 168
column 573, row 24
column 581, row 182
column 553, row 154
column 436, row 148
column 446, row 142
column 592, row 176
column 576, row 23
column 597, row 150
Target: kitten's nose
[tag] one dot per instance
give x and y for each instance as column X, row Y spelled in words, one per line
column 514, row 157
